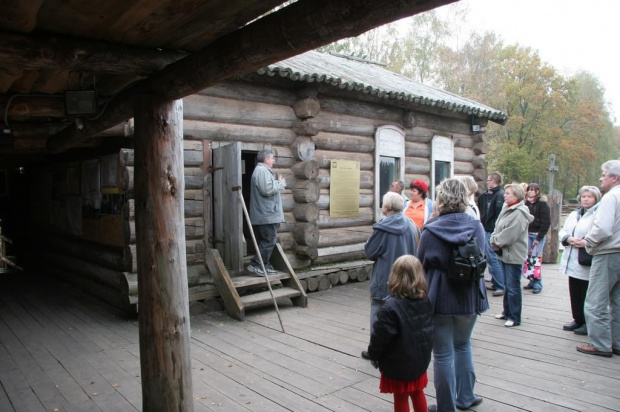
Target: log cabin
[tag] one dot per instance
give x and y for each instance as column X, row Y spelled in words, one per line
column 311, row 110
column 109, row 203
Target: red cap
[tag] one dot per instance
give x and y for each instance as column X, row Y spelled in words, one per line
column 421, row 184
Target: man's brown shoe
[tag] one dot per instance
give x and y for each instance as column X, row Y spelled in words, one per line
column 616, row 351
column 591, row 350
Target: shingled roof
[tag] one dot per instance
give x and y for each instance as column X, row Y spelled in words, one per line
column 365, row 77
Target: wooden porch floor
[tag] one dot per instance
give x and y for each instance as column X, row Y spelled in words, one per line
column 61, row 351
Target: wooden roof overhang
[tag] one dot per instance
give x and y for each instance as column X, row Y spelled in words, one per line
column 168, row 48
column 142, row 55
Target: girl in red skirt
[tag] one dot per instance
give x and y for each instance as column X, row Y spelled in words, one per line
column 402, row 339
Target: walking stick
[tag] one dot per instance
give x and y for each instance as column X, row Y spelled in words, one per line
column 260, row 258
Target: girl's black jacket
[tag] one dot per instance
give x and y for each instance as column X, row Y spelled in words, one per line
column 542, row 218
column 402, row 338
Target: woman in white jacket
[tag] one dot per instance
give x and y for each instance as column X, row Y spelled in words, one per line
column 571, row 235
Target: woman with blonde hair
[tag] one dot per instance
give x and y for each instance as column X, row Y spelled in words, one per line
column 455, row 303
column 509, row 240
column 472, row 189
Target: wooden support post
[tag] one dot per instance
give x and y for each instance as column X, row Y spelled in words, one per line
column 162, row 266
column 552, row 244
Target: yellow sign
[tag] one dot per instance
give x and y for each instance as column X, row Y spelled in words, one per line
column 344, row 188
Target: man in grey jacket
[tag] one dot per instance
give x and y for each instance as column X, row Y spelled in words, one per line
column 265, row 209
column 602, row 306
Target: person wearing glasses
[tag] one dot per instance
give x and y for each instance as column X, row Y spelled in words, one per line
column 602, row 307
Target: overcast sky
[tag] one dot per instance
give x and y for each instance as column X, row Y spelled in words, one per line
column 571, row 35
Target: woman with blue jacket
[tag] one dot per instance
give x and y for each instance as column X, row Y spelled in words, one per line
column 456, row 304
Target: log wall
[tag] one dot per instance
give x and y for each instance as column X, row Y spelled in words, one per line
column 310, row 129
column 103, row 259
column 306, row 130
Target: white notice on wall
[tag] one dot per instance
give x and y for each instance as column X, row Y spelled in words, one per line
column 344, row 185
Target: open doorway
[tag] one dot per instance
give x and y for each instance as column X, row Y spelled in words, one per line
column 248, row 162
column 232, row 167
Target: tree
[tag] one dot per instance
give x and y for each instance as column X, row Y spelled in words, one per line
column 409, row 47
column 547, row 112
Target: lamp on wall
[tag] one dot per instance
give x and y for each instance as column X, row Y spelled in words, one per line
column 80, row 102
column 6, row 136
column 478, row 125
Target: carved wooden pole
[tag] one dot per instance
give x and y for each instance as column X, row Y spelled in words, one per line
column 162, row 266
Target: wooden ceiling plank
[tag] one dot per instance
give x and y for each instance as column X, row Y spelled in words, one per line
column 201, row 29
column 7, row 77
column 295, row 29
column 19, row 16
column 25, row 107
column 89, row 19
column 142, row 22
column 25, row 82
column 70, row 53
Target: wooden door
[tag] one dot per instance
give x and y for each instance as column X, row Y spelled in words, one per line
column 227, row 211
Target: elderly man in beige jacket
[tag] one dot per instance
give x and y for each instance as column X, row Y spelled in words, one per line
column 602, row 306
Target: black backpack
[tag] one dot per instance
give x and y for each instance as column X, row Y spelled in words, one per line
column 468, row 262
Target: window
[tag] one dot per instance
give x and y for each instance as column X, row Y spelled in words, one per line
column 442, row 161
column 389, row 162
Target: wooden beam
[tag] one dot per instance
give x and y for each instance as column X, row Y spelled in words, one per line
column 70, row 53
column 36, row 106
column 297, row 28
column 162, row 265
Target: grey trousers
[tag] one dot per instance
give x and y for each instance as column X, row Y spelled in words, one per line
column 602, row 307
column 266, row 237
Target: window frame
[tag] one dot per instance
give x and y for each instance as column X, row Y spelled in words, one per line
column 389, row 142
column 442, row 150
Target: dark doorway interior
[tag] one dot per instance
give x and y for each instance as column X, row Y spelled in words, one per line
column 248, row 161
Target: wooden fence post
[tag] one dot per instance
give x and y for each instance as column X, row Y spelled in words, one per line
column 550, row 252
column 162, row 263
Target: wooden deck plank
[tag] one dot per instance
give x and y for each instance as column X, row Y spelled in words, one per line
column 126, row 384
column 236, row 382
column 70, row 355
column 54, row 342
column 5, row 403
column 292, row 347
column 286, row 370
column 267, row 385
column 61, row 380
column 17, row 389
column 365, row 400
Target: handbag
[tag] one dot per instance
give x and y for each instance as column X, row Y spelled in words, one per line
column 583, row 257
column 531, row 267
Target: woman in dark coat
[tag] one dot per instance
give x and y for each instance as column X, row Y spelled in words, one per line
column 537, row 233
column 392, row 237
column 456, row 304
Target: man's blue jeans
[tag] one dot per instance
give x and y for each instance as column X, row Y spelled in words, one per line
column 494, row 266
column 513, row 299
column 455, row 376
column 375, row 306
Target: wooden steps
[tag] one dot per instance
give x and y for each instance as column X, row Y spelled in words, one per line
column 243, row 281
column 242, row 290
column 264, row 298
